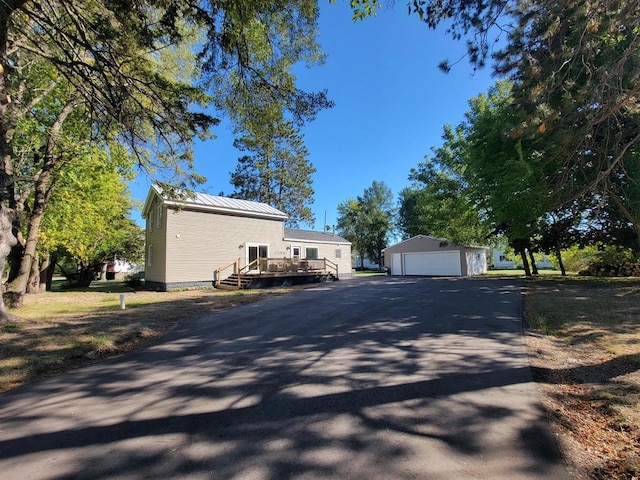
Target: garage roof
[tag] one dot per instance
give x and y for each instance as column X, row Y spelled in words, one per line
column 441, row 240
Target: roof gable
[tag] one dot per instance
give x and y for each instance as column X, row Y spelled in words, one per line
column 216, row 204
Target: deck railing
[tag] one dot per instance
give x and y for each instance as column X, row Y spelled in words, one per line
column 217, row 273
column 276, row 266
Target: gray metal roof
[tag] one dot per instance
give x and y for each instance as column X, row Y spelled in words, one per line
column 225, row 205
column 313, row 236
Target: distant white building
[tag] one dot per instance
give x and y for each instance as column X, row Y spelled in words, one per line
column 503, row 261
column 118, row 269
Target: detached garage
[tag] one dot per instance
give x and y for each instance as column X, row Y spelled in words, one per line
column 430, row 256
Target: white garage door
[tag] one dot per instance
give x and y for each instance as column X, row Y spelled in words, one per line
column 432, row 263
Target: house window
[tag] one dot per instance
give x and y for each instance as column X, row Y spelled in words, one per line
column 295, row 252
column 503, row 258
column 311, row 253
column 159, row 216
column 338, row 253
column 149, row 255
column 150, row 222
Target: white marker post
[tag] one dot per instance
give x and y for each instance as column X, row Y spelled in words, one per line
column 122, row 305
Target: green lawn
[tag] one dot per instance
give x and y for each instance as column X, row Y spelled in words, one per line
column 518, row 273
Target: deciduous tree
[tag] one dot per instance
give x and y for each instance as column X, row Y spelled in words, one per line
column 87, row 222
column 438, row 204
column 368, row 221
column 110, row 58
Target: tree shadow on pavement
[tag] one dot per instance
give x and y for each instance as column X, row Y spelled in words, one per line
column 384, row 378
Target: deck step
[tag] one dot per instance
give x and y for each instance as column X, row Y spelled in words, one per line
column 231, row 283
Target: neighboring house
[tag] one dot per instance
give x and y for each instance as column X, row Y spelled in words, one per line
column 186, row 240
column 430, row 256
column 503, row 261
column 118, row 269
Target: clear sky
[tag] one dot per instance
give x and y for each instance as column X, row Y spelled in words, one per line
column 391, row 103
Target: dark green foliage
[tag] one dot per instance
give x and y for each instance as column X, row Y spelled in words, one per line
column 278, row 172
column 367, row 221
column 438, row 204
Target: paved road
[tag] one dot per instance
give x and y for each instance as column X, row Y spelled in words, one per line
column 385, row 378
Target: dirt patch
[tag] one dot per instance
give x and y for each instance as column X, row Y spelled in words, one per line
column 584, row 345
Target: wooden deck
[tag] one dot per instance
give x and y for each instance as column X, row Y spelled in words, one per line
column 268, row 272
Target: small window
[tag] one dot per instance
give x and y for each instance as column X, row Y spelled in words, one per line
column 150, row 222
column 149, row 255
column 311, row 253
column 338, row 253
column 503, row 258
column 159, row 216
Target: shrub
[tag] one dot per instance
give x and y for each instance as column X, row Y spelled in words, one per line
column 609, row 257
column 133, row 280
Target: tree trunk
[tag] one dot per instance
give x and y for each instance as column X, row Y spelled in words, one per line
column 86, row 275
column 43, row 275
column 17, row 286
column 50, row 271
column 7, row 197
column 534, row 267
column 525, row 262
column 33, row 285
column 7, row 240
column 560, row 263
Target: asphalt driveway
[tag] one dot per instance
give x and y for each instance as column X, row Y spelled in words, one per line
column 380, row 378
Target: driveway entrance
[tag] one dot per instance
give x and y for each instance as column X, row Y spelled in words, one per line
column 382, row 378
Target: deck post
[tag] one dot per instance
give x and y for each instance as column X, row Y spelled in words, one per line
column 237, row 267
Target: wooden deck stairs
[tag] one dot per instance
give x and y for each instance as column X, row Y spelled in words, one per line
column 233, row 283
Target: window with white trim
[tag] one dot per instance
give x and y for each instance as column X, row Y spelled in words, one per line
column 311, row 253
column 338, row 253
column 150, row 256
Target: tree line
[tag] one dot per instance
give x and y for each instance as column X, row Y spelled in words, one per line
column 549, row 157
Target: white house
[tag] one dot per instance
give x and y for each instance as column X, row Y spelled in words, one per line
column 188, row 239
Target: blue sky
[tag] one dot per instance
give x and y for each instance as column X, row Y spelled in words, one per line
column 391, row 103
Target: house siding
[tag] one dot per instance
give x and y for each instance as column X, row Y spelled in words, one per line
column 476, row 262
column 325, row 250
column 156, row 239
column 201, row 242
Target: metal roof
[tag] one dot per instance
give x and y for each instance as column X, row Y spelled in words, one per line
column 313, row 236
column 219, row 204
